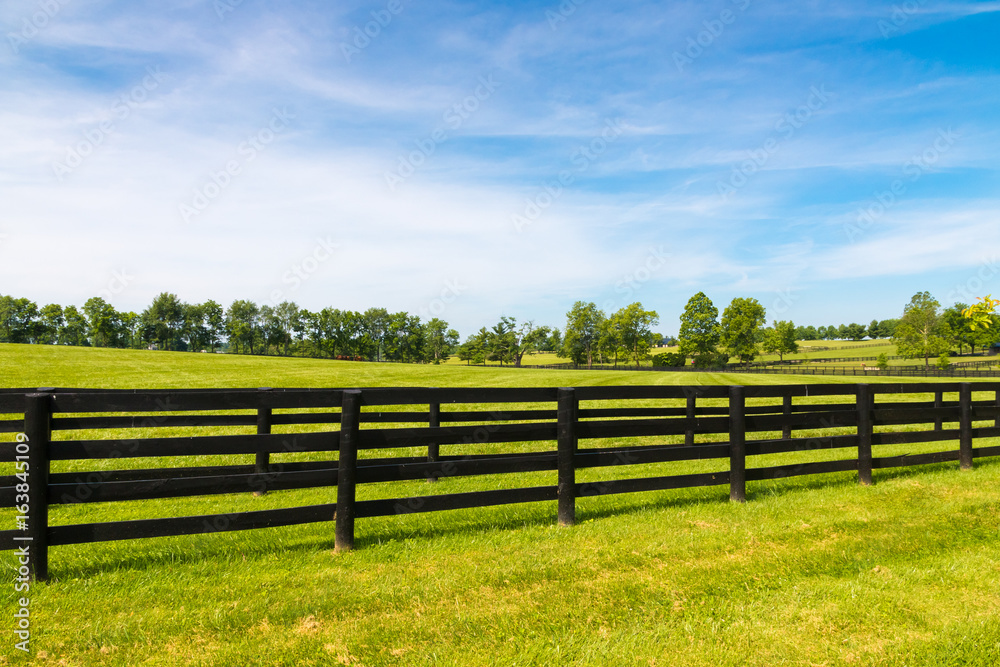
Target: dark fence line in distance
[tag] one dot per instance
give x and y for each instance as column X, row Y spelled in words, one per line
column 365, row 446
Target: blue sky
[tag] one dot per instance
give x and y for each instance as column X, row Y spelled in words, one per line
column 469, row 160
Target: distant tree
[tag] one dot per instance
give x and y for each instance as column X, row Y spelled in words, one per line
column 887, row 328
column 700, row 330
column 855, row 331
column 742, row 322
column 214, row 322
column 75, row 326
column 473, row 350
column 18, row 320
column 634, row 325
column 165, row 317
column 583, row 332
column 874, row 330
column 130, row 324
column 242, row 326
column 375, row 324
column 438, row 344
column 103, row 320
column 50, row 322
column 943, row 362
column 882, row 362
column 920, row 330
column 957, row 329
column 780, row 339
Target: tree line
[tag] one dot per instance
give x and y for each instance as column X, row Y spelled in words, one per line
column 590, row 335
column 244, row 328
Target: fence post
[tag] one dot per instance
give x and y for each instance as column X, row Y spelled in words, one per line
column 434, row 449
column 347, row 466
column 865, row 431
column 996, row 401
column 737, row 445
column 692, row 401
column 38, row 429
column 938, row 402
column 965, row 426
column 566, row 414
column 262, row 462
column 786, row 411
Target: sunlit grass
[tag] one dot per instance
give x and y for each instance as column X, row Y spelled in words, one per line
column 811, row 570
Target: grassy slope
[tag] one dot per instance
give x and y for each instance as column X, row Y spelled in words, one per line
column 812, row 570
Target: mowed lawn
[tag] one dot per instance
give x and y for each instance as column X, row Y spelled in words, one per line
column 810, row 571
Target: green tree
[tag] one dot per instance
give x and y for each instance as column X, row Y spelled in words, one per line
column 855, row 331
column 50, row 322
column 18, row 320
column 700, row 331
column 874, row 330
column 583, row 333
column 439, row 340
column 104, row 324
column 742, row 323
column 958, row 329
column 165, row 317
column 882, row 362
column 242, row 325
column 74, row 330
column 635, row 333
column 780, row 339
column 215, row 323
column 920, row 330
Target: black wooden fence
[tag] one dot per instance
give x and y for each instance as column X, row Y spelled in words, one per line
column 703, row 422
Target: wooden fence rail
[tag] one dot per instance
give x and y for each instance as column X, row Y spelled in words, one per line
column 369, row 435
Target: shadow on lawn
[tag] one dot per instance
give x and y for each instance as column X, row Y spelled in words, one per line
column 301, row 541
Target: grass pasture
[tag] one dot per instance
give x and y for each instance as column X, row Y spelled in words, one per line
column 811, row 570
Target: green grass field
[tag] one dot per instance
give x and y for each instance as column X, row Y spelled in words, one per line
column 811, row 571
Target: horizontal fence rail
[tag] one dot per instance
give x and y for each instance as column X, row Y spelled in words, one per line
column 61, row 441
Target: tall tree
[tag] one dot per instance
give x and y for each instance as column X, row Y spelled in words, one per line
column 635, row 325
column 166, row 317
column 920, row 332
column 780, row 339
column 50, row 322
column 242, row 325
column 440, row 340
column 74, row 330
column 104, row 323
column 700, row 331
column 855, row 331
column 583, row 332
column 742, row 322
column 18, row 320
